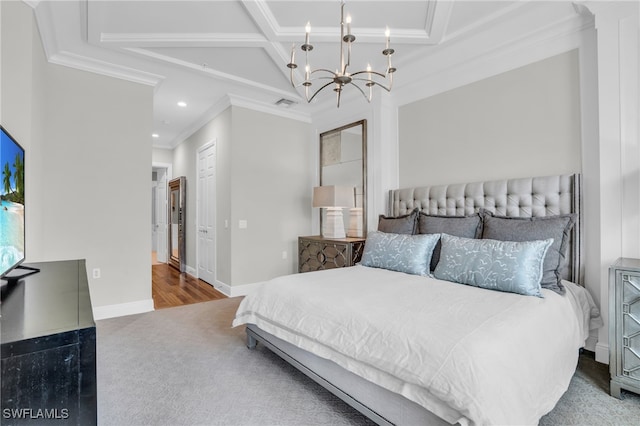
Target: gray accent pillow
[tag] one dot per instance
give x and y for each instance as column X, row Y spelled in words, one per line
column 405, row 224
column 458, row 226
column 536, row 228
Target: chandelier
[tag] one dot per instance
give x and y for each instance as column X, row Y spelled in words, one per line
column 364, row 81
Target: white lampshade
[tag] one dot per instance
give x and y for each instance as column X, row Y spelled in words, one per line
column 334, row 199
column 333, row 196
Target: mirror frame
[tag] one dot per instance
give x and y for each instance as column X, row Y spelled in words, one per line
column 363, row 125
column 178, row 184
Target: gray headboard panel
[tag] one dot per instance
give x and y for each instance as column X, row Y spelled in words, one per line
column 522, row 197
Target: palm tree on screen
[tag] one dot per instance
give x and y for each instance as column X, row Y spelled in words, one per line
column 18, row 175
column 6, row 178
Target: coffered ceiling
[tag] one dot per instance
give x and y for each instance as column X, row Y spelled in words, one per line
column 205, row 53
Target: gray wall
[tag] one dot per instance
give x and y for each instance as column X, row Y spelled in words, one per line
column 521, row 123
column 88, row 162
column 262, row 178
column 271, row 188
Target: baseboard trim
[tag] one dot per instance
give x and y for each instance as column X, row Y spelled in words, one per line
column 122, row 309
column 602, row 353
column 191, row 271
column 236, row 290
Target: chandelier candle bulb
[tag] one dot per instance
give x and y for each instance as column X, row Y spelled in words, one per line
column 307, row 30
column 342, row 77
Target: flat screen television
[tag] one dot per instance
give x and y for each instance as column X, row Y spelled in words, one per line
column 12, row 207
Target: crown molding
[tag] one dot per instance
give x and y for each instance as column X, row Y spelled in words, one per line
column 210, row 71
column 244, row 102
column 96, row 66
column 239, row 101
column 55, row 55
column 453, row 67
column 182, row 39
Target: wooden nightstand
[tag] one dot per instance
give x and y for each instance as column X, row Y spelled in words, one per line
column 624, row 326
column 316, row 252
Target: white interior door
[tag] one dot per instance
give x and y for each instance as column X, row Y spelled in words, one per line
column 207, row 213
column 161, row 215
column 154, row 217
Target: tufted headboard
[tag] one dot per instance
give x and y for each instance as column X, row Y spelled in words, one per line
column 522, row 197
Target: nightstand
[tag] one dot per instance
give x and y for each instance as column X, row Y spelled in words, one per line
column 624, row 326
column 316, row 252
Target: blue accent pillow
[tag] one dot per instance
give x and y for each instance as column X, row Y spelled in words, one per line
column 399, row 252
column 510, row 266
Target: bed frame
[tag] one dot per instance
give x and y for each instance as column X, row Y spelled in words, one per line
column 523, row 197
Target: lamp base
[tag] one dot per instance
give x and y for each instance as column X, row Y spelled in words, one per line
column 333, row 226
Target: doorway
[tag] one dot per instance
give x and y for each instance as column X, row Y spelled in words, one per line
column 160, row 175
column 206, row 213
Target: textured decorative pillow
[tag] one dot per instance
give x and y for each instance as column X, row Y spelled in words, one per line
column 536, row 228
column 510, row 266
column 459, row 226
column 405, row 224
column 399, row 252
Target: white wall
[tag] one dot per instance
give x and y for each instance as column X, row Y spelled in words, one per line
column 161, row 155
column 88, row 164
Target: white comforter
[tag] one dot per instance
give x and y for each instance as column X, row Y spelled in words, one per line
column 467, row 354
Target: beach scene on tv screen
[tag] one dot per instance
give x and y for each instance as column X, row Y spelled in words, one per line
column 11, row 203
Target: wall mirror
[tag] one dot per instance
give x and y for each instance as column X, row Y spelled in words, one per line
column 177, row 214
column 343, row 162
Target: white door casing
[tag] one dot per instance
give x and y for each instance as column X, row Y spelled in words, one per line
column 154, row 217
column 206, row 212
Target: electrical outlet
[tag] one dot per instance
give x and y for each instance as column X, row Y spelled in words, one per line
column 242, row 224
column 96, row 273
column 284, row 255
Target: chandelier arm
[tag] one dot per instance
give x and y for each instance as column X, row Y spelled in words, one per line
column 373, row 82
column 323, row 69
column 370, row 72
column 361, row 91
column 291, row 77
column 319, row 90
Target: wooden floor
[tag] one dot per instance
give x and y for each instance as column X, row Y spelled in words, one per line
column 171, row 288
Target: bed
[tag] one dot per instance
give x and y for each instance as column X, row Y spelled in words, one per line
column 408, row 341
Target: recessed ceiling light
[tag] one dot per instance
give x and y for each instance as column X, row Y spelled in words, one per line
column 182, row 104
column 155, row 135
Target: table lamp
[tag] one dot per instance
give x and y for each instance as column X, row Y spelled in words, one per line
column 334, row 199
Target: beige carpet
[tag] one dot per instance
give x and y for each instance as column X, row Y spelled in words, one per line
column 187, row 366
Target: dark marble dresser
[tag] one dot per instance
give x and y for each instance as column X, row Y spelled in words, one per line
column 48, row 348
